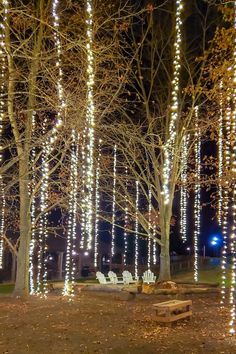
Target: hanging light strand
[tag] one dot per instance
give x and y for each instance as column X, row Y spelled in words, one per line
column 42, row 286
column 136, row 231
column 233, row 235
column 83, row 207
column 32, row 191
column 71, row 230
column 149, row 227
column 113, row 229
column 197, row 191
column 89, row 129
column 97, row 206
column 168, row 148
column 220, row 159
column 225, row 197
column 3, row 66
column 60, row 91
column 183, row 190
column 126, row 218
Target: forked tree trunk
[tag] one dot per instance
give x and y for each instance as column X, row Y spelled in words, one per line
column 22, row 273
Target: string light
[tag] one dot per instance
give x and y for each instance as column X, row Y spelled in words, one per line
column 220, row 159
column 89, row 128
column 197, row 190
column 169, row 146
column 154, row 247
column 3, row 65
column 42, row 286
column 32, row 187
column 149, row 227
column 71, row 231
column 60, row 91
column 126, row 218
column 97, row 206
column 113, row 203
column 83, row 217
column 136, row 231
column 225, row 199
column 183, row 190
column 233, row 236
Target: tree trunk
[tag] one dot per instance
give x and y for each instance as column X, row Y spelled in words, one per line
column 165, row 217
column 22, row 273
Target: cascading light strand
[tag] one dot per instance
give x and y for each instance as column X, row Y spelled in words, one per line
column 97, row 206
column 220, row 159
column 70, row 267
column 149, row 227
column 225, row 197
column 233, row 236
column 113, row 228
column 126, row 218
column 3, row 66
column 197, row 191
column 60, row 91
column 32, row 191
column 42, row 286
column 83, row 217
column 90, row 123
column 183, row 190
column 136, row 260
column 169, row 145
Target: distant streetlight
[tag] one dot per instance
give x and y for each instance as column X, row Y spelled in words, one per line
column 86, row 253
column 189, row 250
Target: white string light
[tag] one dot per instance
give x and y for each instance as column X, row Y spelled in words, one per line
column 3, row 65
column 136, row 231
column 149, row 227
column 97, row 206
column 42, row 286
column 197, row 191
column 71, row 230
column 32, row 214
column 233, row 236
column 60, row 91
column 220, row 159
column 126, row 218
column 113, row 203
column 83, row 208
column 225, row 199
column 168, row 148
column 154, row 248
column 89, row 128
column 183, row 190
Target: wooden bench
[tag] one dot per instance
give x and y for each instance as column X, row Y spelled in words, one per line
column 173, row 310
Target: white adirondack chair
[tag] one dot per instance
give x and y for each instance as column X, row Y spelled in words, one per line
column 149, row 277
column 101, row 278
column 114, row 279
column 128, row 278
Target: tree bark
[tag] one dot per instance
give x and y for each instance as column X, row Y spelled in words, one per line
column 165, row 218
column 22, row 273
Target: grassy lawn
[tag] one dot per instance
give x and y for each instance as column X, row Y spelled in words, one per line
column 205, row 276
column 6, row 288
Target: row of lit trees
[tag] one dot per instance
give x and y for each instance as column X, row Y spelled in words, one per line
column 147, row 85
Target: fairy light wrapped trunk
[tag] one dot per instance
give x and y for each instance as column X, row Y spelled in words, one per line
column 3, row 65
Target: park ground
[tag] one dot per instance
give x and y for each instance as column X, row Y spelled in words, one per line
column 98, row 322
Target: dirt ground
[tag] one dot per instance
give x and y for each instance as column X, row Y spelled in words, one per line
column 103, row 323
